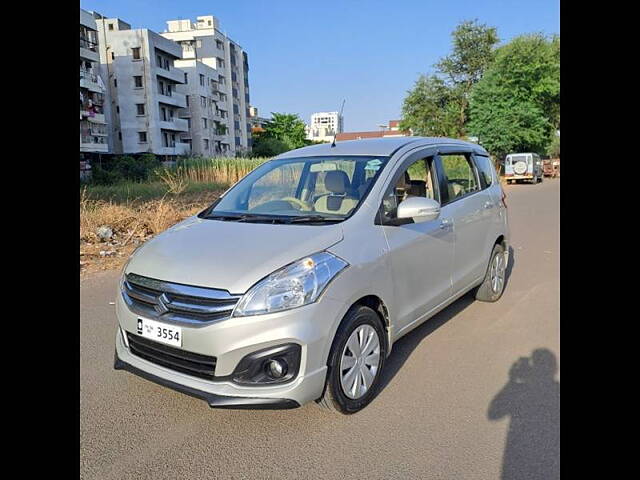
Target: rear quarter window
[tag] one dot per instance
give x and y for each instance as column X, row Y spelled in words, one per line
column 485, row 170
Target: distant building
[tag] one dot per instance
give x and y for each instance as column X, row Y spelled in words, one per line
column 392, row 130
column 93, row 124
column 202, row 42
column 142, row 79
column 257, row 122
column 207, row 117
column 324, row 126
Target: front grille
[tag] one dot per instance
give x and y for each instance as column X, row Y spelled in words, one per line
column 195, row 364
column 177, row 303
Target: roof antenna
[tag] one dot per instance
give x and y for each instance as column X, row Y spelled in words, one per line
column 333, row 144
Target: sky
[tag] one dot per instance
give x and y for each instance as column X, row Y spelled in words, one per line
column 307, row 57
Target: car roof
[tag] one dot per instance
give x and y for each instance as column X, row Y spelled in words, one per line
column 376, row 146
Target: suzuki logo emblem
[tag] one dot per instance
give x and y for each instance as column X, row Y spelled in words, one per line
column 161, row 306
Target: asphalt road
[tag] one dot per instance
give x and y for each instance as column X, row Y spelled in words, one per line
column 448, row 408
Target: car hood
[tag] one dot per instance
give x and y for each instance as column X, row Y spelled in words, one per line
column 228, row 255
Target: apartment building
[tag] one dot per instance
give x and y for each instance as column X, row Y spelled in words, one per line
column 324, row 126
column 142, row 80
column 202, row 42
column 93, row 125
column 207, row 116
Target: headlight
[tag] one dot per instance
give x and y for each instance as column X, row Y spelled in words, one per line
column 299, row 283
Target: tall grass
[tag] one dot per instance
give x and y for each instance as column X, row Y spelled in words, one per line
column 188, row 176
column 220, row 170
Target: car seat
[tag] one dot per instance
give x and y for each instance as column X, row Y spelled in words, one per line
column 338, row 201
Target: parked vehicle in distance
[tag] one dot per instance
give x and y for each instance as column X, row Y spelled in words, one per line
column 523, row 166
column 296, row 283
column 551, row 167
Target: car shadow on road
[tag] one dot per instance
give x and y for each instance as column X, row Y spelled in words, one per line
column 531, row 400
column 510, row 263
column 403, row 348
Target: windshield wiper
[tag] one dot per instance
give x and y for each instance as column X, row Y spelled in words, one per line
column 314, row 219
column 253, row 217
column 226, row 216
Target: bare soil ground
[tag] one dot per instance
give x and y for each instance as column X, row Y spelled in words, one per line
column 111, row 231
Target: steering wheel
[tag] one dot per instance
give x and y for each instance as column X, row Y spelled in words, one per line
column 296, row 202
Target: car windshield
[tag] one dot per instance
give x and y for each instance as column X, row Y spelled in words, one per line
column 300, row 190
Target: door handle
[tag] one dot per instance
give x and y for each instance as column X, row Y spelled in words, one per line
column 445, row 223
column 488, row 205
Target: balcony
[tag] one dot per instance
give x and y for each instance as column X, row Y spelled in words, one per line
column 174, row 74
column 175, row 124
column 176, row 149
column 89, row 80
column 176, row 99
column 89, row 50
column 90, row 143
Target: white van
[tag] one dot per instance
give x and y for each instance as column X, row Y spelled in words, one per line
column 523, row 166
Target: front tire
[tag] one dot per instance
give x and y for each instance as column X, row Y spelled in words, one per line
column 492, row 287
column 355, row 362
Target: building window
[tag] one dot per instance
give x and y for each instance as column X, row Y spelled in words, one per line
column 201, row 80
column 188, row 123
column 159, row 61
column 206, row 144
column 119, row 135
column 187, row 99
column 117, row 109
column 203, row 101
column 186, row 77
column 115, row 82
column 142, row 137
column 204, row 123
column 137, row 80
column 136, row 53
column 111, row 26
column 140, row 108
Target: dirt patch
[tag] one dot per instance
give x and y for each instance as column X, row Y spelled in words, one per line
column 110, row 232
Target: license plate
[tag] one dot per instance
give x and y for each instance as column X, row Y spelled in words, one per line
column 160, row 332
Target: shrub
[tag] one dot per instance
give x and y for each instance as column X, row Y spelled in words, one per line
column 100, row 176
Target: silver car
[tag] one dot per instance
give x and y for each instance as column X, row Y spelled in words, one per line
column 296, row 283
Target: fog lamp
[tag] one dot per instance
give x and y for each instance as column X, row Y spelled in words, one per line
column 277, row 368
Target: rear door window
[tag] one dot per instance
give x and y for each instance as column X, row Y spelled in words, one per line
column 460, row 176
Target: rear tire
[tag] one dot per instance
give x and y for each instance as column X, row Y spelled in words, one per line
column 334, row 398
column 491, row 288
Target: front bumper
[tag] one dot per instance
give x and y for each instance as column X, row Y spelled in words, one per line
column 312, row 327
column 214, row 401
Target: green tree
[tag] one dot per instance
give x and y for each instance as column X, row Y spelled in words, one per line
column 428, row 109
column 286, row 127
column 267, row 146
column 553, row 150
column 516, row 105
column 439, row 103
column 473, row 52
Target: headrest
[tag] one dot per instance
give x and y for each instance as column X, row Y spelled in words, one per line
column 336, row 181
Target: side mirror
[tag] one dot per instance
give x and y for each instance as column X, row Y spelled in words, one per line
column 420, row 209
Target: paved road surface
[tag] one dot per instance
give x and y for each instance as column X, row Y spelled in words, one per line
column 448, row 409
